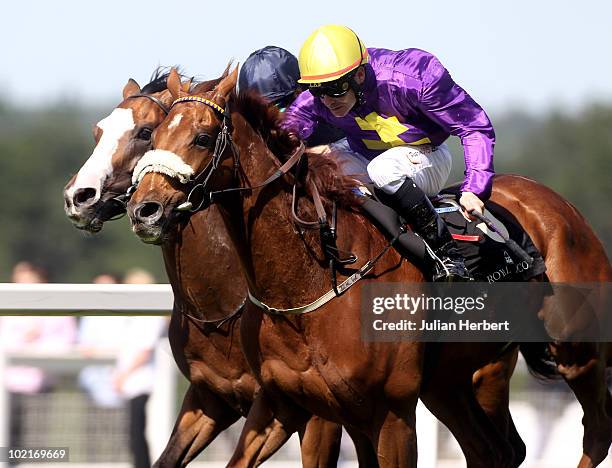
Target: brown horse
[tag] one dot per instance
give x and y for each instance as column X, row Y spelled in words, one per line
column 265, row 281
column 573, row 254
column 205, row 347
column 326, row 375
column 90, row 199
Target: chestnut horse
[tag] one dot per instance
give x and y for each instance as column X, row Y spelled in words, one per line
column 327, row 369
column 205, row 347
column 91, row 198
column 388, row 396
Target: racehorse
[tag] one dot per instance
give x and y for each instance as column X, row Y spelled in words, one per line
column 325, row 370
column 204, row 329
column 541, row 242
column 205, row 412
column 394, row 420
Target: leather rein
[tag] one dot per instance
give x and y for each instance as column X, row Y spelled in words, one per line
column 199, row 198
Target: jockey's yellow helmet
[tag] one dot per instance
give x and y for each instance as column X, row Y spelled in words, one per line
column 329, row 53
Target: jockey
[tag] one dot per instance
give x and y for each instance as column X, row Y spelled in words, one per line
column 274, row 73
column 397, row 108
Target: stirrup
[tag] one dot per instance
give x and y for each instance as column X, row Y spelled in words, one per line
column 449, row 270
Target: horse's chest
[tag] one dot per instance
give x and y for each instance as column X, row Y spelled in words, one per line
column 303, row 383
column 231, row 385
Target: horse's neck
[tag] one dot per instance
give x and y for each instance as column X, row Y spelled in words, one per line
column 278, row 265
column 203, row 268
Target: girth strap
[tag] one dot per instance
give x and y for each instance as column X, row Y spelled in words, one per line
column 329, row 295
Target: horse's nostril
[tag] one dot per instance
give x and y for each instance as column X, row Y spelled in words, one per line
column 149, row 212
column 84, row 196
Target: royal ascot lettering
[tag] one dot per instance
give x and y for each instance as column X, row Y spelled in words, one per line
column 507, row 271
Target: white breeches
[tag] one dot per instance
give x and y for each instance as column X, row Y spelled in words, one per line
column 388, row 171
column 428, row 169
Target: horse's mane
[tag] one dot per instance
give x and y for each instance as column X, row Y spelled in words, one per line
column 324, row 171
column 158, row 79
column 265, row 119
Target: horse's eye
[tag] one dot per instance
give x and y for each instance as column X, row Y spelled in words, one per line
column 202, row 140
column 144, row 134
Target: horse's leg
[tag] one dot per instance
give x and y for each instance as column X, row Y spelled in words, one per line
column 366, row 455
column 573, row 254
column 202, row 417
column 482, row 444
column 450, row 397
column 395, row 440
column 587, row 380
column 492, row 387
column 320, row 442
column 268, row 426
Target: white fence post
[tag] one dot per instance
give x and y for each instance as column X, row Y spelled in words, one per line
column 161, row 408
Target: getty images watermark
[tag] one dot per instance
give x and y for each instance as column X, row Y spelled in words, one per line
column 503, row 312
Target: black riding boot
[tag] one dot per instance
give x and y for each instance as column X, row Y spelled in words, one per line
column 414, row 206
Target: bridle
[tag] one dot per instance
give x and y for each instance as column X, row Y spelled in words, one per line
column 152, row 98
column 206, row 197
column 199, row 195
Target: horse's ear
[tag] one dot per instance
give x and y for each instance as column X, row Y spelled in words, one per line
column 130, row 89
column 174, row 84
column 186, row 86
column 227, row 84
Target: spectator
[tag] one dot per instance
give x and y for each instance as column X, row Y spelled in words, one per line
column 134, row 373
column 33, row 335
column 99, row 337
column 130, row 380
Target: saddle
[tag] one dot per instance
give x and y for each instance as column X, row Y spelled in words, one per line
column 485, row 245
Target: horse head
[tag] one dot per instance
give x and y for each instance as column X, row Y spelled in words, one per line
column 192, row 154
column 97, row 193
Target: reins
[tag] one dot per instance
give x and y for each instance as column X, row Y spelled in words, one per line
column 224, row 139
column 200, row 198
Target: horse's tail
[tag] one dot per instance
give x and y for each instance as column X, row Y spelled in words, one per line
column 538, row 360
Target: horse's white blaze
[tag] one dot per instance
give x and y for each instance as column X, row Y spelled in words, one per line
column 175, row 121
column 162, row 162
column 99, row 165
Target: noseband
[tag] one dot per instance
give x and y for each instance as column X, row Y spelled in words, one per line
column 199, row 196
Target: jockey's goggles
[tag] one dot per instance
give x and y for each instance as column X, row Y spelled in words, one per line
column 333, row 89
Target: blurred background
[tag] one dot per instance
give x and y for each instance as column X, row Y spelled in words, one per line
column 541, row 70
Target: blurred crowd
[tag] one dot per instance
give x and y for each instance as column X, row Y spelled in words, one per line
column 129, row 343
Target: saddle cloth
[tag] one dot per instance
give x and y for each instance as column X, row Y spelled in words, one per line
column 485, row 252
column 486, row 257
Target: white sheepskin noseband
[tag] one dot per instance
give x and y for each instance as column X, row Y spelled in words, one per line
column 163, row 162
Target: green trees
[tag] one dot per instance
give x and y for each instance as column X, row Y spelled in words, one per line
column 41, row 148
column 572, row 154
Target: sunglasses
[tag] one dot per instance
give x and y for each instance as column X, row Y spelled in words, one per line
column 335, row 89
